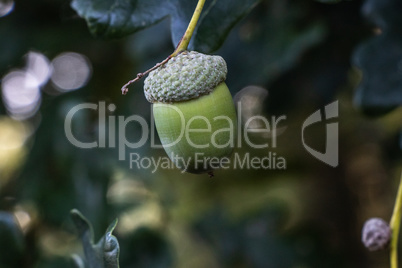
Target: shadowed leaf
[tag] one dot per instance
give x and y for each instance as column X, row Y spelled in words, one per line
column 105, row 253
column 380, row 90
column 111, row 19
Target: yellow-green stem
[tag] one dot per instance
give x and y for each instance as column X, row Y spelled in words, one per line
column 395, row 226
column 182, row 46
column 185, row 40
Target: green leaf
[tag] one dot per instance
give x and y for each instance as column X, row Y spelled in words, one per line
column 113, row 19
column 216, row 22
column 110, row 247
column 380, row 90
column 105, row 253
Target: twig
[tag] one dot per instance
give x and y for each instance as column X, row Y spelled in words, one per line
column 395, row 226
column 182, row 46
column 185, row 40
column 124, row 89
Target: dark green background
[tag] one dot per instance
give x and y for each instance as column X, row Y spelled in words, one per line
column 306, row 54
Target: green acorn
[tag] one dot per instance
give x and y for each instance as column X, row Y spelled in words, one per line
column 193, row 110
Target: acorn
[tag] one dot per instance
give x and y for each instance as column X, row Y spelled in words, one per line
column 193, row 111
column 376, row 234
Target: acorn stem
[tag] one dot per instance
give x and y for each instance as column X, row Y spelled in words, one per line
column 395, row 224
column 124, row 89
column 182, row 46
column 185, row 40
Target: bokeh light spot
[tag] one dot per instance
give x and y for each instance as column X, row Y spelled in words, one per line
column 13, row 136
column 39, row 66
column 251, row 100
column 6, row 7
column 21, row 94
column 70, row 71
column 23, row 219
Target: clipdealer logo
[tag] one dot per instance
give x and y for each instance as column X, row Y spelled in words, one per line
column 246, row 161
column 331, row 154
column 112, row 134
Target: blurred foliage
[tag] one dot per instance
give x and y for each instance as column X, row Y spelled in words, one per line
column 299, row 53
column 116, row 19
column 105, row 253
column 12, row 240
column 380, row 91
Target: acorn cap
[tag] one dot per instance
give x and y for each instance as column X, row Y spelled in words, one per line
column 187, row 76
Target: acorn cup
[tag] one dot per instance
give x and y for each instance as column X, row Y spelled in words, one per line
column 193, row 111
